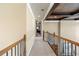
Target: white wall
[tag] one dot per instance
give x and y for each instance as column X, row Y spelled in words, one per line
column 77, row 35
column 77, row 30
column 12, row 23
column 68, row 29
column 51, row 27
column 30, row 29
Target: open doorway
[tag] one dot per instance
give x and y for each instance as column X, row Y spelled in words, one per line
column 38, row 28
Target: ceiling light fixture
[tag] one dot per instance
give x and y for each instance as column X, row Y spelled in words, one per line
column 42, row 9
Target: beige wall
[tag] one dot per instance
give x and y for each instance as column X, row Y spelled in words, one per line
column 12, row 23
column 30, row 29
column 51, row 27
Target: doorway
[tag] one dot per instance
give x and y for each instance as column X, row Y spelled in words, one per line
column 38, row 28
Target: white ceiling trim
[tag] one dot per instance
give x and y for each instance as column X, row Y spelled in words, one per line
column 77, row 20
column 49, row 8
column 51, row 21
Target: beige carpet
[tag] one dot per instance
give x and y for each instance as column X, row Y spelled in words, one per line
column 41, row 48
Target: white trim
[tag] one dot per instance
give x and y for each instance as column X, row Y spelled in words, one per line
column 77, row 20
column 42, row 29
column 49, row 8
column 51, row 21
column 28, row 5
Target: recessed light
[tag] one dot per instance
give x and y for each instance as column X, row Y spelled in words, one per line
column 55, row 16
column 42, row 9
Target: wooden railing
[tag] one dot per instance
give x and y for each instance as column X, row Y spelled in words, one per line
column 16, row 49
column 69, row 47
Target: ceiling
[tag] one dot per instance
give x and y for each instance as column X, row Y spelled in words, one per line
column 39, row 9
column 59, row 11
column 63, row 11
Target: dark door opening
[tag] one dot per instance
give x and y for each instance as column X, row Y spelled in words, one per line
column 38, row 28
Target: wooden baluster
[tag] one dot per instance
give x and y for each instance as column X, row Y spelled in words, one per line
column 11, row 52
column 75, row 50
column 71, row 49
column 18, row 49
column 6, row 53
column 15, row 50
column 65, row 47
column 68, row 49
column 43, row 35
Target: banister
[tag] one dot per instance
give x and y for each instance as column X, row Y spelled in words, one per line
column 68, row 46
column 66, row 39
column 69, row 40
column 3, row 51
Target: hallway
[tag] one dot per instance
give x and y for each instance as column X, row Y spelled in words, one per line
column 41, row 48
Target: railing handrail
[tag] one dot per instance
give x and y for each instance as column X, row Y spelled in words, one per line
column 69, row 40
column 66, row 39
column 3, row 51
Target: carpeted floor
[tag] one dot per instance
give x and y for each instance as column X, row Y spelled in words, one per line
column 41, row 48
